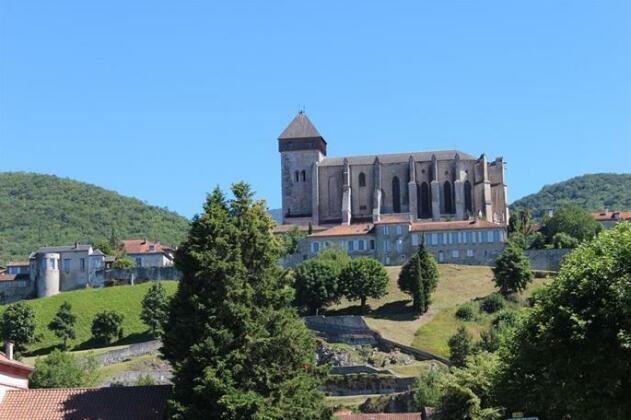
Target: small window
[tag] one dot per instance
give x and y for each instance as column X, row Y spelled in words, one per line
column 496, row 236
column 351, row 246
column 53, row 263
column 82, row 264
column 66, row 265
column 362, row 179
column 372, row 244
column 296, row 176
column 440, row 238
column 415, row 240
column 152, row 247
column 403, row 257
column 315, row 247
column 361, row 245
column 469, row 253
column 386, row 230
column 303, row 176
column 399, row 245
column 138, row 262
column 441, row 256
column 455, row 254
column 399, row 229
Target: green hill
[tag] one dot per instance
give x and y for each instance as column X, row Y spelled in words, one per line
column 126, row 300
column 38, row 210
column 593, row 192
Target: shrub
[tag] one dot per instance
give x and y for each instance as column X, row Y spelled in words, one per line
column 64, row 370
column 466, row 312
column 460, row 347
column 507, row 318
column 492, row 303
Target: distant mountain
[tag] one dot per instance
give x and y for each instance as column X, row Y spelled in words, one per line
column 38, row 210
column 277, row 215
column 593, row 192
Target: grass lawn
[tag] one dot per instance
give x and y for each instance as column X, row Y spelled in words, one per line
column 85, row 304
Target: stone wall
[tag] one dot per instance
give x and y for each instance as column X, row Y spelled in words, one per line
column 134, row 350
column 546, row 259
column 362, row 384
column 141, row 274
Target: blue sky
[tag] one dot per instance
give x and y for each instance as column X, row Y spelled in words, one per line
column 164, row 100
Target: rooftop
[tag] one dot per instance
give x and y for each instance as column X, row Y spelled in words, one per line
column 345, row 230
column 611, row 215
column 114, row 403
column 63, row 248
column 397, row 158
column 454, row 225
column 300, row 127
column 143, row 246
column 303, row 228
column 17, row 263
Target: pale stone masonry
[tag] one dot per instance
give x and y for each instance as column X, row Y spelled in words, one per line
column 383, row 205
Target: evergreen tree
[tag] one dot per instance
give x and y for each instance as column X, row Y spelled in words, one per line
column 419, row 278
column 237, row 346
column 18, row 325
column 63, row 324
column 459, row 347
column 154, row 307
column 512, row 270
column 362, row 278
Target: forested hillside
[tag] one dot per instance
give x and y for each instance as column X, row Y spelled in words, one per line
column 593, row 192
column 38, row 210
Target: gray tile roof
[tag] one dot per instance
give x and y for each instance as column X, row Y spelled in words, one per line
column 63, row 248
column 300, row 127
column 397, row 158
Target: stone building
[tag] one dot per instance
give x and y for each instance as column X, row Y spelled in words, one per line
column 383, row 205
column 148, row 254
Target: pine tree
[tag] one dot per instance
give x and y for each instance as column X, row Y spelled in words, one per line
column 238, row 348
column 419, row 278
column 154, row 307
column 63, row 324
column 512, row 270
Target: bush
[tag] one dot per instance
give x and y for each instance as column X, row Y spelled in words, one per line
column 492, row 303
column 106, row 326
column 64, row 370
column 466, row 312
column 507, row 318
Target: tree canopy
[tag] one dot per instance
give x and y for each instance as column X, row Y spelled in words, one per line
column 364, row 278
column 512, row 270
column 237, row 345
column 18, row 325
column 419, row 278
column 316, row 283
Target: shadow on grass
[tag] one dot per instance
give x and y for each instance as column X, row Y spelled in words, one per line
column 43, row 350
column 128, row 339
column 399, row 310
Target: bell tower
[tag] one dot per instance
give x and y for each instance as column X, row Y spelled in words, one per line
column 301, row 148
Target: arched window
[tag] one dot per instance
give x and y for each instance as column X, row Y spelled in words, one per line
column 362, row 179
column 449, row 207
column 303, row 176
column 396, row 195
column 467, row 197
column 296, row 176
column 424, row 201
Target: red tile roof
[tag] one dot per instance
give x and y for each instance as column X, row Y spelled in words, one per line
column 345, row 230
column 455, row 225
column 380, row 416
column 7, row 277
column 17, row 263
column 142, row 246
column 385, row 219
column 14, row 367
column 611, row 215
column 303, row 228
column 115, row 403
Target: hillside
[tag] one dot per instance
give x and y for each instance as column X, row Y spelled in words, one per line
column 85, row 304
column 38, row 210
column 593, row 192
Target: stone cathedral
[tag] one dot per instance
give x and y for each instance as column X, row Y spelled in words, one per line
column 424, row 186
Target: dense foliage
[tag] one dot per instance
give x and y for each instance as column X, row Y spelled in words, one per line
column 236, row 344
column 38, row 210
column 569, row 225
column 460, row 346
column 64, row 370
column 364, row 278
column 18, row 325
column 572, row 354
column 419, row 278
column 106, row 326
column 512, row 270
column 316, row 283
column 63, row 324
column 593, row 192
column 154, row 307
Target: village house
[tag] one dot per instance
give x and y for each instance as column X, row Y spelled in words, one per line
column 148, row 254
column 609, row 218
column 13, row 374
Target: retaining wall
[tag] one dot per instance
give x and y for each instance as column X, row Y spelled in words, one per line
column 546, row 259
column 141, row 274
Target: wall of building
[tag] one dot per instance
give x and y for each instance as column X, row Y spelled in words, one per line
column 546, row 259
column 140, row 274
column 297, row 195
column 12, row 291
column 151, row 260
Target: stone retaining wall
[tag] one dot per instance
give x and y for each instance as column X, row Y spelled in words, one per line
column 546, row 259
column 134, row 350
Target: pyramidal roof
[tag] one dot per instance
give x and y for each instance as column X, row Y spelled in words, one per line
column 300, row 127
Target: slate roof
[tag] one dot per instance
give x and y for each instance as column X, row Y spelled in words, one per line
column 454, row 225
column 114, row 403
column 300, row 127
column 63, row 248
column 397, row 158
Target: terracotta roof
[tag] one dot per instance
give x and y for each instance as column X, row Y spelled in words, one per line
column 455, row 225
column 300, row 127
column 611, row 215
column 393, row 218
column 18, row 368
column 115, row 403
column 142, row 246
column 304, row 228
column 17, row 263
column 345, row 230
column 7, row 277
column 380, row 416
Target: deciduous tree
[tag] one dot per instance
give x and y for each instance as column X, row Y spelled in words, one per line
column 512, row 270
column 107, row 325
column 64, row 370
column 364, row 278
column 316, row 284
column 18, row 325
column 63, row 324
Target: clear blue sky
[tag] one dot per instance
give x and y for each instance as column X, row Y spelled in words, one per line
column 164, row 100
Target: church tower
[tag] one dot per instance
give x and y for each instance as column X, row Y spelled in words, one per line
column 301, row 148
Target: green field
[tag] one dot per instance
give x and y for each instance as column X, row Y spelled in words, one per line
column 85, row 304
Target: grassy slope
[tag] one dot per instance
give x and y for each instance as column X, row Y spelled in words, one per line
column 85, row 304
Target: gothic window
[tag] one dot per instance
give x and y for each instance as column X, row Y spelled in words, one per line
column 362, row 179
column 303, row 176
column 449, row 207
column 296, row 176
column 467, row 197
column 396, row 195
column 424, row 201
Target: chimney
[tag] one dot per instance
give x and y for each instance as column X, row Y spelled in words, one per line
column 76, row 245
column 550, row 212
column 8, row 349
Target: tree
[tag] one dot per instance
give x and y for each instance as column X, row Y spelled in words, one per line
column 572, row 221
column 316, row 284
column 563, row 240
column 123, row 262
column 512, row 270
column 236, row 344
column 459, row 347
column 364, row 278
column 292, row 239
column 571, row 353
column 63, row 324
column 154, row 307
column 428, row 389
column 106, row 326
column 18, row 325
column 63, row 370
column 419, row 278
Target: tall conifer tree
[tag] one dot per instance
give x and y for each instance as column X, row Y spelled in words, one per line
column 238, row 348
